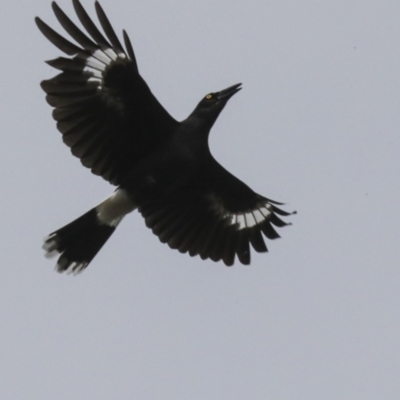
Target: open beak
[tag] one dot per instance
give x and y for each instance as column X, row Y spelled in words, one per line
column 226, row 94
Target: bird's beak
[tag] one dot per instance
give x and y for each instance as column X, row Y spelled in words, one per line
column 226, row 94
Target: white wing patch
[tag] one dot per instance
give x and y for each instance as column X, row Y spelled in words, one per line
column 246, row 219
column 97, row 63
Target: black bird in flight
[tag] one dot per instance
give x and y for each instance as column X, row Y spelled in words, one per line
column 164, row 168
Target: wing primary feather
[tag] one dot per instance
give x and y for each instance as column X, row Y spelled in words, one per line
column 67, row 64
column 72, row 29
column 273, row 201
column 269, row 231
column 277, row 221
column 281, row 212
column 243, row 247
column 228, row 254
column 129, row 49
column 257, row 241
column 108, row 29
column 70, row 77
column 51, row 87
column 58, row 41
column 89, row 25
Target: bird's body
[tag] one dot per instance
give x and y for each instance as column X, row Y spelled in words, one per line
column 164, row 168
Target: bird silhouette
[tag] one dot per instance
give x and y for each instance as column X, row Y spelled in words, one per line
column 163, row 168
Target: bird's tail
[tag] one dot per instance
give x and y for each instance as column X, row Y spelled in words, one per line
column 78, row 242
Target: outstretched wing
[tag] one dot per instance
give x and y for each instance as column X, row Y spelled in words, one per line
column 103, row 107
column 213, row 215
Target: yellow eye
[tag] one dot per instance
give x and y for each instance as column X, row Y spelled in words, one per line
column 209, row 96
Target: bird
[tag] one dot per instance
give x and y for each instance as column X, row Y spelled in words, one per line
column 112, row 122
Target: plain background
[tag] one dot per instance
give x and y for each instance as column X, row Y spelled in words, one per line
column 316, row 125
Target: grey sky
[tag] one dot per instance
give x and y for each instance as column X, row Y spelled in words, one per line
column 316, row 125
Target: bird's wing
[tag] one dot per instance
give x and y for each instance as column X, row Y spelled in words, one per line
column 213, row 215
column 104, row 109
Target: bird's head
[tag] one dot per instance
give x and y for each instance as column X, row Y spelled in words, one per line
column 212, row 104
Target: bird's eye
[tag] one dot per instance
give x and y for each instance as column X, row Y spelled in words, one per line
column 209, row 96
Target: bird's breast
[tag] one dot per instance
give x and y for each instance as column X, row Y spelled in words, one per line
column 167, row 169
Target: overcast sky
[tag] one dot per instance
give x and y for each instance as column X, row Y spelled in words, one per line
column 316, row 125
